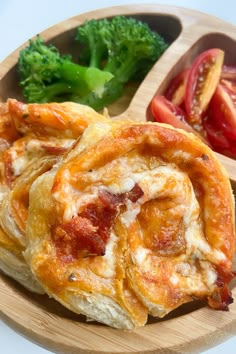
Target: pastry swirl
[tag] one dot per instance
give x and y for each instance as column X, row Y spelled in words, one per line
column 33, row 138
column 137, row 219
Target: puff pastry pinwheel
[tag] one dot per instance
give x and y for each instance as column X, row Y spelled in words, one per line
column 137, row 219
column 33, row 140
column 66, row 120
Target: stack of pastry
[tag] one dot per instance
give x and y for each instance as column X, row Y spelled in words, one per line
column 116, row 220
column 32, row 139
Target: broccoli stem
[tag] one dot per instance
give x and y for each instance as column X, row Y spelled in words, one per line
column 96, row 56
column 112, row 91
column 125, row 71
column 85, row 79
column 59, row 89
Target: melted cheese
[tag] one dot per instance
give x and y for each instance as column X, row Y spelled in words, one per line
column 140, row 256
column 129, row 216
column 109, row 259
column 19, row 164
column 120, row 176
column 36, row 145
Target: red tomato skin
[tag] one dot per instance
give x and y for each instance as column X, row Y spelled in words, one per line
column 230, row 152
column 165, row 111
column 176, row 90
column 201, row 83
column 223, row 108
column 229, row 84
column 228, row 72
column 215, row 135
column 219, row 142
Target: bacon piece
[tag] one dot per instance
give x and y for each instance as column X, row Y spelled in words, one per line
column 135, row 193
column 77, row 235
column 87, row 234
column 55, row 150
column 222, row 297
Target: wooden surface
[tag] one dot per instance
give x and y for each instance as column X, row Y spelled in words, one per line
column 192, row 327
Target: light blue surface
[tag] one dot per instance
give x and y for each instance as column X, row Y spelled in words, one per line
column 22, row 19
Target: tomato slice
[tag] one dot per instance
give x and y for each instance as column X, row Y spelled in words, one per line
column 176, row 90
column 232, row 149
column 230, row 84
column 223, row 108
column 215, row 135
column 219, row 142
column 228, row 72
column 167, row 112
column 228, row 77
column 230, row 152
column 201, row 83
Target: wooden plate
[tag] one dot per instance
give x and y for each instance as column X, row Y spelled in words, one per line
column 192, row 327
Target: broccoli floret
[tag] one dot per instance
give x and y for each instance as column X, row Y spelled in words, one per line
column 113, row 52
column 124, row 46
column 91, row 36
column 46, row 75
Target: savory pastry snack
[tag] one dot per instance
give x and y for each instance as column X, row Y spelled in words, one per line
column 34, row 138
column 12, row 263
column 23, row 162
column 137, row 219
column 12, row 237
column 62, row 120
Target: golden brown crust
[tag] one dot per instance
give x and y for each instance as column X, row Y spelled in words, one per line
column 63, row 280
column 8, row 131
column 32, row 139
column 67, row 119
column 207, row 175
column 11, row 245
column 102, row 195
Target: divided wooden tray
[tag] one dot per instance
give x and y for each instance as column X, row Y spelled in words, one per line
column 192, row 327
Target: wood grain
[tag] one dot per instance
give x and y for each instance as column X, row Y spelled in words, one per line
column 191, row 328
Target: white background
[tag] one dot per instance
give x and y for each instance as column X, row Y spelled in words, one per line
column 22, row 19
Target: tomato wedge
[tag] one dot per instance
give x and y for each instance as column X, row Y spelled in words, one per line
column 230, row 152
column 228, row 72
column 201, row 83
column 228, row 77
column 165, row 111
column 176, row 90
column 215, row 135
column 219, row 142
column 223, row 108
column 230, row 84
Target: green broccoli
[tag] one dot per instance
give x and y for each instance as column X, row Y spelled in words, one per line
column 123, row 46
column 113, row 53
column 48, row 76
column 91, row 36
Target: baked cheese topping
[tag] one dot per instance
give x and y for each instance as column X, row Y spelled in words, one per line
column 18, row 157
column 161, row 182
column 18, row 164
column 131, row 216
